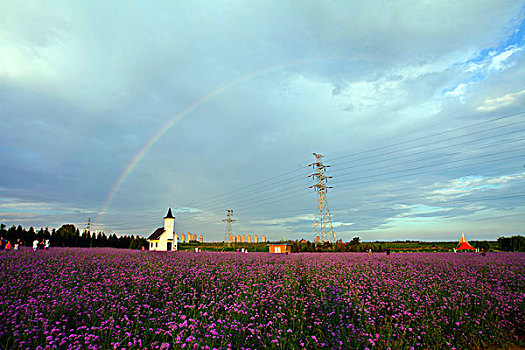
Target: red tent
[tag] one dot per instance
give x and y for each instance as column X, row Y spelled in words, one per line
column 463, row 244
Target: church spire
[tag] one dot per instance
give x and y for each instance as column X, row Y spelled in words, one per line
column 169, row 215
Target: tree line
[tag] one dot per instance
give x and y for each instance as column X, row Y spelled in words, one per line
column 504, row 244
column 70, row 236
column 355, row 245
column 512, row 244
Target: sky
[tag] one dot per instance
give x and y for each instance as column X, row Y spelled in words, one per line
column 114, row 111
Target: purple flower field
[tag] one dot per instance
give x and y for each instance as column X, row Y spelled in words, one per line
column 108, row 298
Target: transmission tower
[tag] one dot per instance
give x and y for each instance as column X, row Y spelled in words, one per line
column 87, row 229
column 228, row 221
column 322, row 222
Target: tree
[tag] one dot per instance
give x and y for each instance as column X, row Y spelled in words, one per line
column 482, row 245
column 65, row 236
column 512, row 244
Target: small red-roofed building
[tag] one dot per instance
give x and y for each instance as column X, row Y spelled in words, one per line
column 280, row 248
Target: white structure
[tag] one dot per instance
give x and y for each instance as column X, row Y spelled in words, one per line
column 164, row 238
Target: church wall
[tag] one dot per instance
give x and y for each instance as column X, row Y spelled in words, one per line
column 162, row 243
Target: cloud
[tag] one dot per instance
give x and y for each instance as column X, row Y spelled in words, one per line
column 492, row 104
column 282, row 221
column 468, row 185
column 336, row 224
column 17, row 215
column 499, row 61
column 459, row 91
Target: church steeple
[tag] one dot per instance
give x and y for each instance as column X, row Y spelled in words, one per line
column 169, row 225
column 169, row 215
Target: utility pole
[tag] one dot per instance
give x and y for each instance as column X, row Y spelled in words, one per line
column 322, row 222
column 228, row 221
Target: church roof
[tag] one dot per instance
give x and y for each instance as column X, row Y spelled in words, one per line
column 169, row 215
column 156, row 234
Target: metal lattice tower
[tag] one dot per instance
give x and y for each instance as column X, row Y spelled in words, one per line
column 228, row 221
column 87, row 228
column 322, row 222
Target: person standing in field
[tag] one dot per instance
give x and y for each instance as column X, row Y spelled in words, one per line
column 8, row 246
column 46, row 246
column 17, row 245
column 35, row 245
column 2, row 243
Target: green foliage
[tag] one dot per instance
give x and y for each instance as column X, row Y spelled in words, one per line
column 482, row 245
column 69, row 236
column 512, row 244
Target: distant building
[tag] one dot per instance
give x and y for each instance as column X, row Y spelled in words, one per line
column 201, row 239
column 182, row 238
column 248, row 239
column 263, row 239
column 238, row 238
column 255, row 239
column 317, row 239
column 243, row 239
column 164, row 238
column 281, row 248
column 303, row 241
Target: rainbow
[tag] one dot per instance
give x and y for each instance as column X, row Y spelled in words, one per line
column 174, row 120
column 178, row 117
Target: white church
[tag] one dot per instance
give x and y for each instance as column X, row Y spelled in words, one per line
column 164, row 238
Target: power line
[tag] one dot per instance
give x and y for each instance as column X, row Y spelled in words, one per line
column 448, row 201
column 299, row 191
column 268, row 188
column 255, row 187
column 432, row 135
column 433, row 165
column 491, row 137
column 338, row 192
column 233, row 193
column 294, row 190
column 449, row 139
column 254, row 191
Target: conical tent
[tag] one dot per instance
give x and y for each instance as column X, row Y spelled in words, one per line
column 463, row 244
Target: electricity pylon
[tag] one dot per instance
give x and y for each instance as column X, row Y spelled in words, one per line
column 87, row 229
column 322, row 222
column 228, row 221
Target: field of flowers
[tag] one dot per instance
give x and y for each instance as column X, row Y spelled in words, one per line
column 108, row 298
